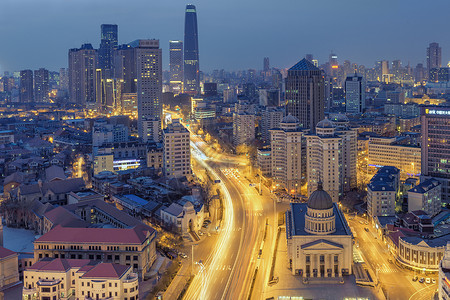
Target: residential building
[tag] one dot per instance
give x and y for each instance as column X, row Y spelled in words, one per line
column 243, row 128
column 9, row 268
column 435, row 128
column 103, row 161
column 426, row 196
column 82, row 75
column 41, row 85
column 270, row 118
column 264, row 161
column 177, row 153
column 434, row 57
column 26, row 94
column 319, row 241
column 286, row 155
column 191, row 55
column 61, row 278
column 355, row 94
column 176, row 66
column 305, row 94
column 383, row 191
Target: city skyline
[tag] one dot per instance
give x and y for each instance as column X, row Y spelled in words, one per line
column 218, row 39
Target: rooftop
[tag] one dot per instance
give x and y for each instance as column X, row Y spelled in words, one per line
column 304, row 65
column 106, row 270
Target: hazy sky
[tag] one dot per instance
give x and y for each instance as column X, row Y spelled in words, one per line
column 233, row 34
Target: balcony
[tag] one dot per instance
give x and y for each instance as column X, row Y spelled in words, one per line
column 31, row 291
column 132, row 277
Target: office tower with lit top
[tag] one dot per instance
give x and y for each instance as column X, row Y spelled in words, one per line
column 82, row 72
column 435, row 127
column 191, row 59
column 434, row 57
column 107, row 45
column 26, row 86
column 176, row 66
column 355, row 94
column 41, row 85
column 149, row 88
column 305, row 94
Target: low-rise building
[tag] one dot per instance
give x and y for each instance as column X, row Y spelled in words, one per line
column 264, row 161
column 382, row 192
column 9, row 269
column 444, row 275
column 185, row 215
column 79, row 278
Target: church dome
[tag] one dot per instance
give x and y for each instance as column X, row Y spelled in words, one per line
column 320, row 199
column 325, row 123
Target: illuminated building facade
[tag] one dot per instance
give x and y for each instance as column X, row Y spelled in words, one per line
column 243, row 128
column 435, row 121
column 434, row 57
column 305, row 94
column 355, row 94
column 191, row 57
column 176, row 66
column 382, row 192
column 177, row 152
column 26, row 86
column 108, row 43
column 444, row 275
column 426, row 196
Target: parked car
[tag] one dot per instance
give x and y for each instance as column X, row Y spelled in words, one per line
column 366, row 229
column 200, row 233
column 415, row 278
column 433, row 280
column 422, row 280
column 183, row 255
column 428, row 280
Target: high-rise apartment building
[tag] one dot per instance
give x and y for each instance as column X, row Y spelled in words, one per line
column 177, row 153
column 191, row 58
column 41, row 86
column 63, row 85
column 243, row 128
column 324, row 159
column 82, row 73
column 383, row 191
column 286, row 155
column 26, row 86
column 434, row 57
column 125, row 68
column 270, row 119
column 149, row 83
column 305, row 94
column 355, row 94
column 435, row 128
column 108, row 43
column 176, row 66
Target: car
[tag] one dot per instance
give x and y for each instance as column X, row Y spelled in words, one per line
column 200, row 233
column 433, row 280
column 361, row 222
column 183, row 255
column 366, row 229
column 428, row 280
column 422, row 280
column 415, row 278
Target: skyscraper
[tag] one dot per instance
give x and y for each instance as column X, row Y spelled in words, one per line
column 82, row 71
column 26, row 86
column 266, row 66
column 435, row 124
column 149, row 87
column 125, row 67
column 105, row 52
column 176, row 65
column 434, row 57
column 191, row 62
column 305, row 94
column 41, row 85
column 355, row 94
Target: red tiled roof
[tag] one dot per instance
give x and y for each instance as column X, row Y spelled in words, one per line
column 61, row 234
column 5, row 252
column 65, row 218
column 58, row 264
column 106, row 270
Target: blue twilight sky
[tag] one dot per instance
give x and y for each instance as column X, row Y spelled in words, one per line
column 233, row 34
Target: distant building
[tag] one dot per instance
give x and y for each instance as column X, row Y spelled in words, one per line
column 177, row 153
column 176, row 66
column 26, row 94
column 319, row 241
column 355, row 94
column 402, row 110
column 435, row 121
column 41, row 85
column 426, row 196
column 270, row 119
column 266, row 64
column 61, row 278
column 108, row 42
column 286, row 155
column 191, row 55
column 434, row 57
column 82, row 75
column 305, row 94
column 210, row 89
column 264, row 161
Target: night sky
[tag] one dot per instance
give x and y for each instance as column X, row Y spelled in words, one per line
column 233, row 34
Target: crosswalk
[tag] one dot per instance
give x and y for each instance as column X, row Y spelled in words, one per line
column 387, row 268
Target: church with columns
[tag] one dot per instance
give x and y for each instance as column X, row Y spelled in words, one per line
column 319, row 240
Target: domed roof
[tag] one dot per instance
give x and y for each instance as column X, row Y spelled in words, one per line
column 289, row 119
column 320, row 199
column 340, row 118
column 325, row 123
